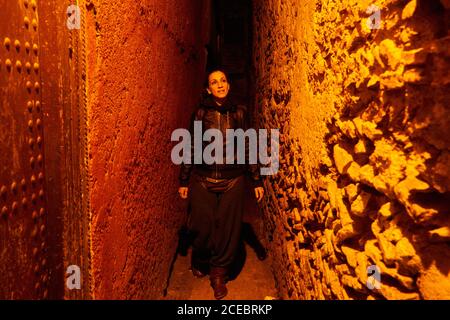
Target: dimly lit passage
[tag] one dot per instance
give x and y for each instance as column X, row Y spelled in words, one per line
column 357, row 92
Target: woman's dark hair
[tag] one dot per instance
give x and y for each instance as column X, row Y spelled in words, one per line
column 214, row 69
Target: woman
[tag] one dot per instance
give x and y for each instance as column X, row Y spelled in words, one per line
column 217, row 190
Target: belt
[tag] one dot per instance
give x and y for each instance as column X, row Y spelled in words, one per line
column 228, row 174
column 212, row 179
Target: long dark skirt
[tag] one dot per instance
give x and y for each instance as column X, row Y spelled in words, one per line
column 215, row 223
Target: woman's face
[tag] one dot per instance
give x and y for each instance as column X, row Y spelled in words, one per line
column 218, row 85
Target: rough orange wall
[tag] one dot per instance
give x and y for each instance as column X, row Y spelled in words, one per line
column 364, row 177
column 144, row 59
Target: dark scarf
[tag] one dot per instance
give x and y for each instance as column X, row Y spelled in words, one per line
column 209, row 102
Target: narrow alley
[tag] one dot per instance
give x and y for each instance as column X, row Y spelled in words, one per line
column 356, row 204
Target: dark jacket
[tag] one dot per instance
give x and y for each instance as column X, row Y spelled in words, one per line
column 227, row 116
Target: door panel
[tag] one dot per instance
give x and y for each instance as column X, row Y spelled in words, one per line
column 23, row 225
column 43, row 214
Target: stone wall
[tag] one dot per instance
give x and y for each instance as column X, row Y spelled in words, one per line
column 364, row 174
column 143, row 62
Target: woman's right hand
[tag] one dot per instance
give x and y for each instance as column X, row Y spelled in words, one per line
column 183, row 192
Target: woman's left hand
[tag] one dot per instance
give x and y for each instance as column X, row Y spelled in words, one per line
column 259, row 193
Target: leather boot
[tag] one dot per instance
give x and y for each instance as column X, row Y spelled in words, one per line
column 197, row 273
column 199, row 264
column 218, row 279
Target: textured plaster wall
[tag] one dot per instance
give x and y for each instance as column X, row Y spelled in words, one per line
column 364, row 176
column 144, row 59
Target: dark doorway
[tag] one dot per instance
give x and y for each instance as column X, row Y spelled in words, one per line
column 231, row 45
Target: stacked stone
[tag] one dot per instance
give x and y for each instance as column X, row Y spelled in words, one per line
column 379, row 194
